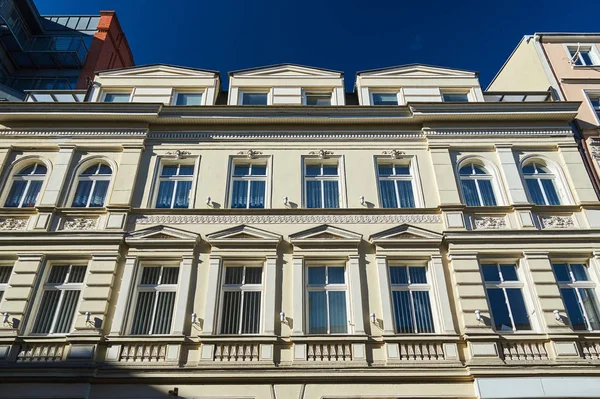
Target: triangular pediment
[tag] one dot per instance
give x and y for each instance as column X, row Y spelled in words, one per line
column 325, row 233
column 287, row 70
column 405, row 232
column 160, row 233
column 243, row 235
column 418, row 71
column 158, row 71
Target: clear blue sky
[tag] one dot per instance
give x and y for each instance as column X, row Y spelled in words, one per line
column 349, row 36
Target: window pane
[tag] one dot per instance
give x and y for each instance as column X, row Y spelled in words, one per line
column 16, row 193
column 385, row 170
column 331, row 194
column 32, row 194
column 28, row 170
column 550, row 191
column 116, row 98
column 335, row 275
column 239, row 194
column 313, row 194
column 182, row 194
column 330, row 170
column 405, row 191
column 259, row 170
column 104, row 170
column 186, row 170
column 257, row 194
column 466, row 170
column 478, row 170
column 251, row 313
column 150, row 275
column 579, row 272
column 338, row 321
column 403, row 312
column 586, row 57
column 189, row 99
column 402, row 170
column 169, row 275
column 58, row 274
column 169, row 170
column 561, row 272
column 573, row 309
column 590, row 304
column 455, row 97
column 317, row 312
column 64, row 319
column 231, row 312
column 518, row 309
column 82, row 194
column 5, row 272
column 398, row 275
column 509, row 272
column 77, row 274
column 234, row 275
column 165, row 194
column 99, row 193
column 46, row 312
column 528, row 169
column 490, row 273
column 487, row 193
column 241, row 170
column 164, row 313
column 423, row 311
column 470, row 193
column 499, row 309
column 316, row 275
column 385, row 99
column 253, row 275
column 143, row 313
column 318, row 99
column 388, row 194
column 535, row 192
column 254, row 98
column 417, row 275
column 313, row 170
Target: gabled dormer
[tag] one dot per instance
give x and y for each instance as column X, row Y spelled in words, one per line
column 417, row 83
column 286, row 84
column 157, row 83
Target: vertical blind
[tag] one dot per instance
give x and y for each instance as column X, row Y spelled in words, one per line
column 410, row 297
column 322, row 186
column 540, row 184
column 476, row 184
column 396, row 186
column 327, row 308
column 92, row 187
column 175, row 184
column 155, row 301
column 5, row 272
column 26, row 186
column 242, row 300
column 248, row 186
column 59, row 300
column 579, row 296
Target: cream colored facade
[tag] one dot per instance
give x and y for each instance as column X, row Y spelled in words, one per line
column 462, row 357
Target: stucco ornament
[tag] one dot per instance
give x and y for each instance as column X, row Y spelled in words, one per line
column 395, row 154
column 13, row 224
column 557, row 222
column 79, row 224
column 179, row 154
column 250, row 154
column 489, row 222
column 595, row 149
column 322, row 154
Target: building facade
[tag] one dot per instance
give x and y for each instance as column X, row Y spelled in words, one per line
column 56, row 52
column 429, row 242
column 569, row 65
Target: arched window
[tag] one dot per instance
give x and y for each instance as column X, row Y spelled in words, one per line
column 540, row 184
column 26, row 186
column 476, row 185
column 92, row 186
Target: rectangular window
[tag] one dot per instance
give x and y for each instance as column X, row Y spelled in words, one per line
column 326, row 296
column 242, row 300
column 5, row 272
column 579, row 295
column 385, row 98
column 322, row 185
column 248, row 186
column 174, row 186
column 396, row 185
column 595, row 100
column 583, row 56
column 318, row 99
column 59, row 300
column 410, row 297
column 254, row 98
column 155, row 300
column 451, row 97
column 188, row 99
column 505, row 296
column 117, row 97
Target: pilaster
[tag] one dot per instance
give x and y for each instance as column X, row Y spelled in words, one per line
column 212, row 290
column 124, row 297
column 270, row 294
column 182, row 314
column 353, row 266
column 298, row 295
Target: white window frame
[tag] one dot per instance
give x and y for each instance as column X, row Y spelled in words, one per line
column 551, row 175
column 589, row 284
column 153, row 288
column 414, row 177
column 323, row 93
column 242, row 288
column 428, row 287
column 520, row 284
column 340, row 178
column 488, row 176
column 268, row 92
column 177, row 92
column 591, row 48
column 590, row 95
column 466, row 91
column 28, row 179
column 259, row 160
column 327, row 288
column 61, row 287
column 397, row 92
column 176, row 178
column 168, row 160
column 124, row 91
column 95, row 177
column 4, row 286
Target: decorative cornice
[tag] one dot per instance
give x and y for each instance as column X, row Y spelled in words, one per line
column 77, row 133
column 285, row 219
column 281, row 135
column 499, row 132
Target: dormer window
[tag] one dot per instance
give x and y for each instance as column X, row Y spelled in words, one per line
column 455, row 97
column 188, row 99
column 254, row 98
column 116, row 97
column 384, row 98
column 323, row 99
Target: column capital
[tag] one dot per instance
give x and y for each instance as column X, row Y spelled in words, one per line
column 107, row 257
column 30, row 257
column 536, row 255
column 462, row 255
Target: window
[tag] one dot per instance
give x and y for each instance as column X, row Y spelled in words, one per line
column 583, row 56
column 117, row 97
column 455, row 97
column 5, row 272
column 155, row 300
column 384, row 98
column 579, row 295
column 175, row 184
column 540, row 184
column 476, row 185
column 321, row 185
column 595, row 100
column 59, row 300
column 248, row 186
column 505, row 296
column 92, row 186
column 242, row 294
column 410, row 297
column 188, row 99
column 318, row 98
column 396, row 186
column 327, row 309
column 26, row 186
column 250, row 98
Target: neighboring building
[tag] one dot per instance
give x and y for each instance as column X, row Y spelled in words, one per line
column 443, row 246
column 569, row 65
column 56, row 52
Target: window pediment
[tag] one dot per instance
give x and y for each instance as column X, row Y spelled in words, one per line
column 405, row 234
column 325, row 235
column 418, row 71
column 287, row 70
column 244, row 236
column 161, row 234
column 159, row 71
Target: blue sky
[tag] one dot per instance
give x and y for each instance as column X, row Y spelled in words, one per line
column 349, row 36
